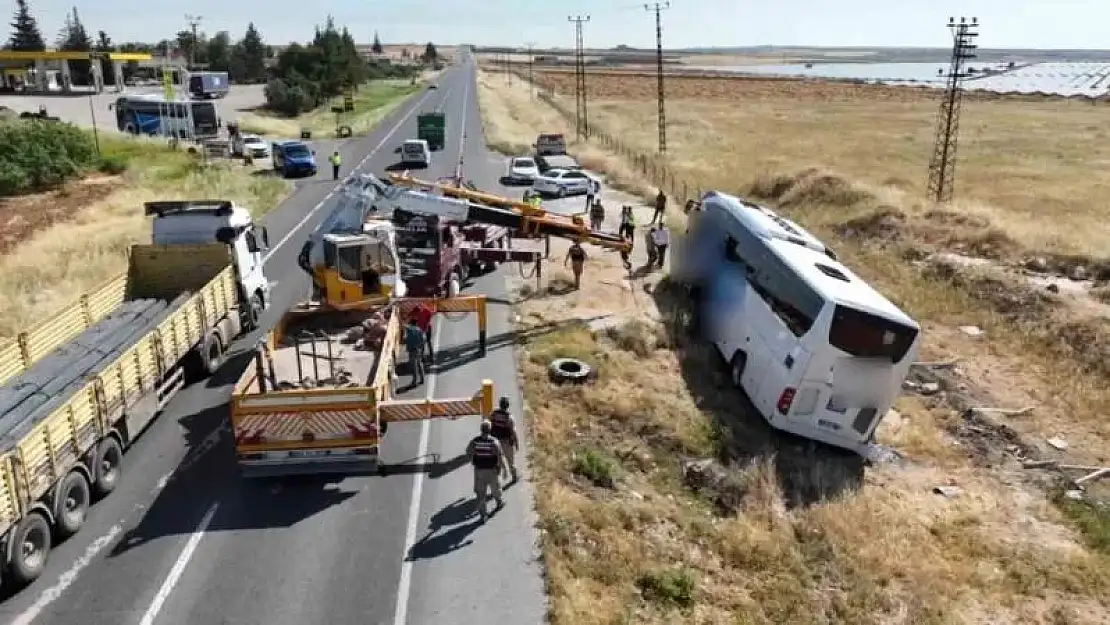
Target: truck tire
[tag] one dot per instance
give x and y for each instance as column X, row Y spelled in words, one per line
column 71, row 504
column 736, row 368
column 29, row 549
column 213, row 354
column 253, row 312
column 107, row 465
column 454, row 285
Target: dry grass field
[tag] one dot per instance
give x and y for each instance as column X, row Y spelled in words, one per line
column 775, row 531
column 48, row 262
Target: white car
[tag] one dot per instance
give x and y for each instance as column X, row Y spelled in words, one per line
column 415, row 152
column 522, row 169
column 256, row 147
column 564, row 182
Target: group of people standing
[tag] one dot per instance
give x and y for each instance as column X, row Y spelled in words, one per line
column 657, row 238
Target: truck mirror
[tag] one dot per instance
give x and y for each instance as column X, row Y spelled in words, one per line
column 397, row 150
column 225, row 235
column 314, row 152
column 265, row 237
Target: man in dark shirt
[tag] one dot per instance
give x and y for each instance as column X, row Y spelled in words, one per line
column 660, row 207
column 414, row 344
column 576, row 256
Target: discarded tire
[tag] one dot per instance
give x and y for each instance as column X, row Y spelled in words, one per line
column 343, row 132
column 569, row 370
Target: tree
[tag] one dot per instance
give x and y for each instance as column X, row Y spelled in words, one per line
column 26, row 36
column 430, row 55
column 193, row 47
column 377, row 47
column 74, row 38
column 217, row 52
column 250, row 56
column 107, row 69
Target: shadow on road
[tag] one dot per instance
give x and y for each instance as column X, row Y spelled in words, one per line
column 435, row 469
column 462, row 519
column 808, row 471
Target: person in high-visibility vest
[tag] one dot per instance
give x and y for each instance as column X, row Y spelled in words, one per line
column 336, row 161
column 536, row 201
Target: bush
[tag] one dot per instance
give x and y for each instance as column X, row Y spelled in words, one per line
column 37, row 155
column 112, row 164
column 596, row 467
column 289, row 97
column 670, row 586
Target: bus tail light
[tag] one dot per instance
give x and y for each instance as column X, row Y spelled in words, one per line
column 785, row 400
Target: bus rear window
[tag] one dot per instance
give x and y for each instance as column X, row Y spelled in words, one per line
column 864, row 335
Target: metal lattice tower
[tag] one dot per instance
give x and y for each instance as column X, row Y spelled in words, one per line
column 531, row 64
column 582, row 126
column 662, row 94
column 942, row 166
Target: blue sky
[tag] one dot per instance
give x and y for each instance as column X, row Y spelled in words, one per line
column 1007, row 23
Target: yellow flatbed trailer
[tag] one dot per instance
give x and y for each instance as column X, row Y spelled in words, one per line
column 321, row 393
column 58, row 455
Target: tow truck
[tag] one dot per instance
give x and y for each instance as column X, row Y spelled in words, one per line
column 321, row 393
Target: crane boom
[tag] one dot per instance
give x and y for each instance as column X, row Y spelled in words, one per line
column 525, row 218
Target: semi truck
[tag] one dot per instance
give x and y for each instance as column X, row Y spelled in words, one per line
column 432, row 127
column 77, row 389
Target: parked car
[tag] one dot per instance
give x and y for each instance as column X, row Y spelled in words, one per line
column 550, row 144
column 522, row 169
column 556, row 161
column 564, row 182
column 254, row 145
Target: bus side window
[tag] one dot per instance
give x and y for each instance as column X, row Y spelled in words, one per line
column 731, row 253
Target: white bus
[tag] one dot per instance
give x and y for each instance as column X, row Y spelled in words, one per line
column 152, row 114
column 819, row 352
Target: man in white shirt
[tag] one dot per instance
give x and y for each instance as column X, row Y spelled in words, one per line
column 661, row 237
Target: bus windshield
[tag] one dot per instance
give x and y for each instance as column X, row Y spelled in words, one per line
column 864, row 335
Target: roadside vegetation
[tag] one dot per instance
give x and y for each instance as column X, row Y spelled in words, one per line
column 70, row 215
column 373, row 101
column 662, row 499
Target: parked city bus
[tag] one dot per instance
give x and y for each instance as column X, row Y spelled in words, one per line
column 819, row 352
column 154, row 115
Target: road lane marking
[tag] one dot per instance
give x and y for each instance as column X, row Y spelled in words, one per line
column 401, row 122
column 404, row 585
column 50, row 595
column 178, row 567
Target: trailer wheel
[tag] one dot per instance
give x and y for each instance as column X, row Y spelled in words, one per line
column 254, row 312
column 29, row 549
column 212, row 353
column 71, row 504
column 107, row 466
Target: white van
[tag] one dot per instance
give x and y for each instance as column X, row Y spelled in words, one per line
column 416, row 153
column 819, row 352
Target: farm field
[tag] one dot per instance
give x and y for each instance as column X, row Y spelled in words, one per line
column 1008, row 282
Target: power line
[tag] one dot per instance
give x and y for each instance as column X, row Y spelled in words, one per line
column 582, row 127
column 531, row 64
column 662, row 95
column 942, row 166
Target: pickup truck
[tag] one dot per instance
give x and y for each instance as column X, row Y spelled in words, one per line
column 293, row 158
column 319, row 397
column 78, row 388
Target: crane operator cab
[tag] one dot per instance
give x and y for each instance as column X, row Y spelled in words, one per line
column 359, row 270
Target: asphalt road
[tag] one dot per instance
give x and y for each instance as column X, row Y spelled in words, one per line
column 185, row 540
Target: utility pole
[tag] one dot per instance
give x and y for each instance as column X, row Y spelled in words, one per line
column 662, row 94
column 193, row 21
column 942, row 166
column 531, row 63
column 582, row 126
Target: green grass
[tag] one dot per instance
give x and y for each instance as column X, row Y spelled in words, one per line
column 372, row 102
column 1092, row 519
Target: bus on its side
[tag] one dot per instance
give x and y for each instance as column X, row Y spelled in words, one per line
column 154, row 115
column 819, row 352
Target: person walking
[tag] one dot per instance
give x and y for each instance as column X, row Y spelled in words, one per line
column 576, row 256
column 660, row 207
column 597, row 215
column 504, row 430
column 593, row 190
column 649, row 243
column 488, row 460
column 423, row 314
column 336, row 161
column 661, row 237
column 626, row 254
column 628, row 222
column 414, row 345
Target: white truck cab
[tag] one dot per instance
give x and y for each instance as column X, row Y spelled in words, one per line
column 416, row 152
column 205, row 221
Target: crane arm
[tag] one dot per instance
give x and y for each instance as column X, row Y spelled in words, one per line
column 525, row 218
